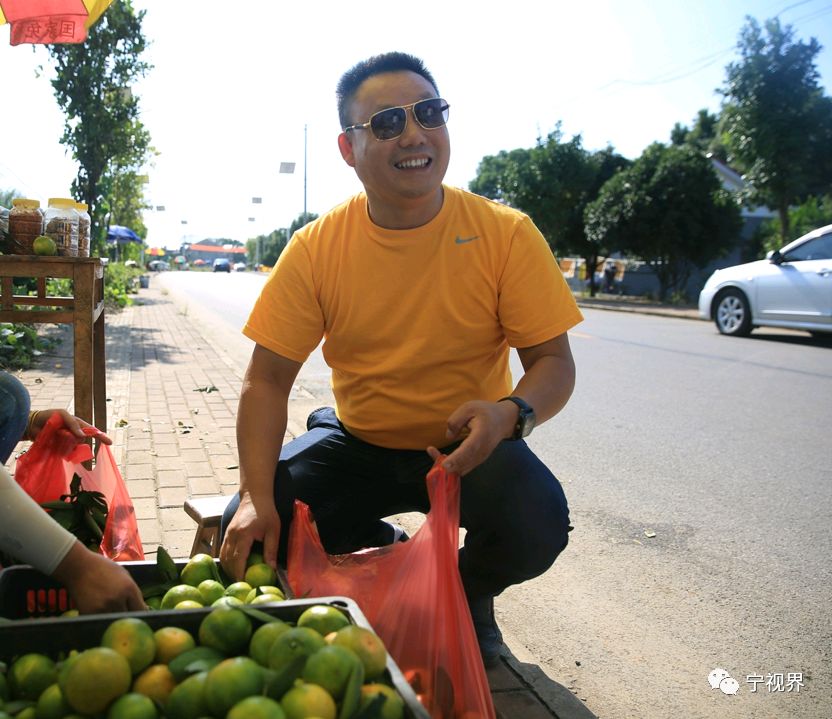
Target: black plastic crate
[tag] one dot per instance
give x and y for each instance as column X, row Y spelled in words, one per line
column 56, row 636
column 25, row 593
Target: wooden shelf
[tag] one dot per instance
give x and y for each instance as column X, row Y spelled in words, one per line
column 84, row 310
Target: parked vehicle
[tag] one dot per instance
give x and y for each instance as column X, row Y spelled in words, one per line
column 222, row 265
column 791, row 288
column 158, row 265
column 240, row 267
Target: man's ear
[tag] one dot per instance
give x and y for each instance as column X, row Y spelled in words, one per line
column 345, row 146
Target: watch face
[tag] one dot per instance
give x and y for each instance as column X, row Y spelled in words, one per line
column 525, row 423
column 525, row 419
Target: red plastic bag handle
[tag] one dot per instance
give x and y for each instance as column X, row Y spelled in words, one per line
column 69, row 445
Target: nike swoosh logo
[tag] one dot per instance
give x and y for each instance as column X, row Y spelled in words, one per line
column 463, row 240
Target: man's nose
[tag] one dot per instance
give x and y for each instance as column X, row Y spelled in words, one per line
column 414, row 133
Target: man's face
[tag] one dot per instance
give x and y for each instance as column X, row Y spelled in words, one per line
column 407, row 168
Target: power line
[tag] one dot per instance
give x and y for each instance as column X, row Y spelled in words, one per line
column 708, row 60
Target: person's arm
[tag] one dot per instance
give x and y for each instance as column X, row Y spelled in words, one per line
column 96, row 583
column 546, row 385
column 262, row 417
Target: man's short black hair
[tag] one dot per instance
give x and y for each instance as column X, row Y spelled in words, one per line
column 353, row 78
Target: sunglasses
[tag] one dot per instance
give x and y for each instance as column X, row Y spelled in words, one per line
column 390, row 123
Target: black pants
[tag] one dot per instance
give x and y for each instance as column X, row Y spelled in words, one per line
column 512, row 507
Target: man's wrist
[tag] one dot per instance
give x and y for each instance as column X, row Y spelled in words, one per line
column 525, row 419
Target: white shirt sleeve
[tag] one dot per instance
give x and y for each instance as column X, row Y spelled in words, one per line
column 27, row 532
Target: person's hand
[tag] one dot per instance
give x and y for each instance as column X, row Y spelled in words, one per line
column 251, row 524
column 74, row 424
column 483, row 425
column 97, row 584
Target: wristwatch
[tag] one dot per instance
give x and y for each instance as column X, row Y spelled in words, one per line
column 525, row 420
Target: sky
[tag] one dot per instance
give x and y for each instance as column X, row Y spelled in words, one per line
column 231, row 97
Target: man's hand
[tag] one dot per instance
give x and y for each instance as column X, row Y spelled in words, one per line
column 97, row 584
column 250, row 524
column 546, row 385
column 483, row 425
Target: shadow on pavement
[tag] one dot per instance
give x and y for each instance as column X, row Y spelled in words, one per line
column 792, row 339
column 522, row 688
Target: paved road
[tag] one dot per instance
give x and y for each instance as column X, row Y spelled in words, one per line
column 720, row 448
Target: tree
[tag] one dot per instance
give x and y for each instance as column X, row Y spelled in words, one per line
column 552, row 183
column 6, row 197
column 813, row 213
column 92, row 87
column 273, row 244
column 668, row 208
column 704, row 134
column 775, row 119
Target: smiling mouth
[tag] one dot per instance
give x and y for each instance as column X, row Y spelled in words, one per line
column 413, row 164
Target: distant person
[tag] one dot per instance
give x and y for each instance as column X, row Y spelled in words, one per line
column 609, row 277
column 29, row 534
column 418, row 290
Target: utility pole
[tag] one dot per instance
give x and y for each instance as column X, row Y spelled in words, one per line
column 304, row 171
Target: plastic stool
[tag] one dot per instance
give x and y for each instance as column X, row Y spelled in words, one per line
column 207, row 513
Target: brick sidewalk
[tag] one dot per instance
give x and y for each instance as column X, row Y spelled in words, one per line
column 171, row 408
column 172, row 397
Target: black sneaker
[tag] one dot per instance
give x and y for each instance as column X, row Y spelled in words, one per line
column 489, row 636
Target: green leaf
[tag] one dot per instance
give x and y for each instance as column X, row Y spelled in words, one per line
column 166, row 566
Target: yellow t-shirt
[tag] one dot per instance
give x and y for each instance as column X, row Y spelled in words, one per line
column 415, row 322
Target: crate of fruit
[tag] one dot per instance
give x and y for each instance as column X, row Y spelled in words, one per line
column 25, row 593
column 296, row 658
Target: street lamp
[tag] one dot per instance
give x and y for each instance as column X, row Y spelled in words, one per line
column 288, row 168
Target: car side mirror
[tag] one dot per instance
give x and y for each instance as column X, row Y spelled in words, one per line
column 774, row 257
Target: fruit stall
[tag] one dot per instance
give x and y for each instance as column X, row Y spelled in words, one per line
column 210, row 648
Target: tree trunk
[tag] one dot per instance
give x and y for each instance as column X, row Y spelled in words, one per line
column 785, row 230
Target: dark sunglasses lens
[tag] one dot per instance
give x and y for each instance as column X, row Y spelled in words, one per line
column 431, row 113
column 388, row 124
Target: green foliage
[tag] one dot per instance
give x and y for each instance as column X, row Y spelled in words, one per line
column 119, row 283
column 272, row 245
column 703, row 135
column 776, row 122
column 92, row 86
column 669, row 209
column 304, row 218
column 6, row 197
column 59, row 287
column 813, row 213
column 19, row 345
column 552, row 183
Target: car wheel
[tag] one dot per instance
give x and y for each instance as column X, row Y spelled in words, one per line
column 733, row 314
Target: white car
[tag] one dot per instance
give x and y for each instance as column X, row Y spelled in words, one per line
column 791, row 288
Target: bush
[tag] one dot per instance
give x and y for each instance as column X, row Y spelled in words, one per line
column 119, row 283
column 19, row 345
column 813, row 213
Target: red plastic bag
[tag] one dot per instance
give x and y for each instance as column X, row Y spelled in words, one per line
column 412, row 595
column 45, row 473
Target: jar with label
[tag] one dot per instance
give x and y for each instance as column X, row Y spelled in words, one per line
column 61, row 223
column 83, row 229
column 25, row 224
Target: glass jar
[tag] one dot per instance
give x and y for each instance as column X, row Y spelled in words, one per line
column 83, row 229
column 61, row 223
column 25, row 224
